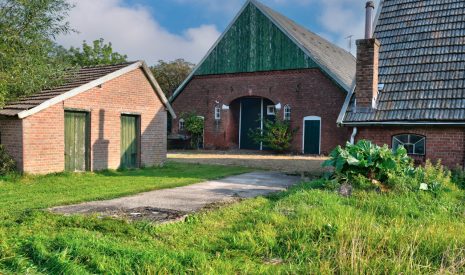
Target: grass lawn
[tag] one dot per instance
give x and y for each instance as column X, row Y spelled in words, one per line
column 304, row 230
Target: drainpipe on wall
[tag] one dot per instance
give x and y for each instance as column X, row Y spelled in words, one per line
column 354, row 134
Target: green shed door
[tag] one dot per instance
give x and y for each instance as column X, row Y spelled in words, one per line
column 251, row 115
column 129, row 141
column 76, row 141
column 312, row 130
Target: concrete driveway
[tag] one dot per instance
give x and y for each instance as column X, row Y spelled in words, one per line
column 172, row 204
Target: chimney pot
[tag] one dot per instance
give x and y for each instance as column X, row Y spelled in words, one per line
column 370, row 7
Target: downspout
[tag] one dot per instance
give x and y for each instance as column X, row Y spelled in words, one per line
column 354, row 134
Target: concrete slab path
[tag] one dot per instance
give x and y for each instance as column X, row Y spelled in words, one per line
column 169, row 204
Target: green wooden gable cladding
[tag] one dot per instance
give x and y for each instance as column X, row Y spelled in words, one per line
column 254, row 43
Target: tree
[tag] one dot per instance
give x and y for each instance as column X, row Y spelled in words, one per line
column 98, row 53
column 27, row 59
column 171, row 74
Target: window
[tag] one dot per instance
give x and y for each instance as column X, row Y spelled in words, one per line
column 217, row 113
column 415, row 144
column 271, row 110
column 287, row 112
column 181, row 124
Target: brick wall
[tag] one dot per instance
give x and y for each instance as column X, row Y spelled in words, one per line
column 130, row 93
column 309, row 92
column 445, row 143
column 11, row 131
column 367, row 72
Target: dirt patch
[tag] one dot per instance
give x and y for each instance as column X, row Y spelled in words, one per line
column 308, row 165
column 156, row 215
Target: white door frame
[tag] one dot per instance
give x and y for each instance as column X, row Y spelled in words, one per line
column 311, row 118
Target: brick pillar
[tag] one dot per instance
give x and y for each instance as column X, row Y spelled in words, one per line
column 366, row 91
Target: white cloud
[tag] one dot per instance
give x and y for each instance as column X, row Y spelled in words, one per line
column 133, row 31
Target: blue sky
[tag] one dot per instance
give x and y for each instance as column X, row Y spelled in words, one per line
column 169, row 29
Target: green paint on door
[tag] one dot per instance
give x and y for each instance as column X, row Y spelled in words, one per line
column 76, row 141
column 252, row 44
column 312, row 137
column 129, row 141
column 253, row 111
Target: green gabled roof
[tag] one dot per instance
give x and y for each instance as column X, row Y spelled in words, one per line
column 260, row 39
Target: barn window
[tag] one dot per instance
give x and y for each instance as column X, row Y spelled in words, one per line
column 287, row 112
column 181, row 124
column 217, row 113
column 271, row 110
column 414, row 144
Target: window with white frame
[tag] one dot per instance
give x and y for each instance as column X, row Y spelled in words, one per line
column 414, row 144
column 181, row 124
column 287, row 112
column 271, row 110
column 217, row 113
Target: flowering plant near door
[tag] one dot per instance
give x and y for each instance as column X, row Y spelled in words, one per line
column 277, row 135
column 194, row 125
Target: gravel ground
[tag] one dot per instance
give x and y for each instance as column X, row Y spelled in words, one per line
column 310, row 165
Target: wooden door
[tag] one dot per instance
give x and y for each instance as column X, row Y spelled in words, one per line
column 312, row 130
column 76, row 141
column 251, row 116
column 129, row 141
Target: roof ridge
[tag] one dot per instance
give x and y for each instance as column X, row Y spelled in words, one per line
column 303, row 27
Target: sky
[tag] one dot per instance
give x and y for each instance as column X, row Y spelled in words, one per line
column 153, row 30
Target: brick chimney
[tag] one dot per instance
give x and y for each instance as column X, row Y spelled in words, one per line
column 366, row 91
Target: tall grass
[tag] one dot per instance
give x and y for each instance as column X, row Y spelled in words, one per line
column 304, row 230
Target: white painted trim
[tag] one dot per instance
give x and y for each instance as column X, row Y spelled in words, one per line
column 97, row 82
column 304, row 49
column 342, row 114
column 291, row 37
column 311, row 118
column 402, row 123
column 79, row 90
column 156, row 86
column 191, row 75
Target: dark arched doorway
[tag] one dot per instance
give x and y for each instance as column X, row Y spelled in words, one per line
column 249, row 114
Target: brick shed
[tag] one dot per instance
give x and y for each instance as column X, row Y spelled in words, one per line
column 265, row 66
column 410, row 80
column 103, row 117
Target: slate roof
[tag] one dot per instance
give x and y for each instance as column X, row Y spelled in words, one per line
column 338, row 63
column 421, row 63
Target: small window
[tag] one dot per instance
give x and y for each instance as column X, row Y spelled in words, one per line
column 181, row 124
column 414, row 144
column 287, row 112
column 271, row 110
column 217, row 113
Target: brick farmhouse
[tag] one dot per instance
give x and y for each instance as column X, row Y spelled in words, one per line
column 103, row 117
column 265, row 66
column 410, row 80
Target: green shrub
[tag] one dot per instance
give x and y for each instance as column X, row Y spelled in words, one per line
column 368, row 160
column 458, row 177
column 194, row 125
column 7, row 164
column 277, row 135
column 367, row 166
